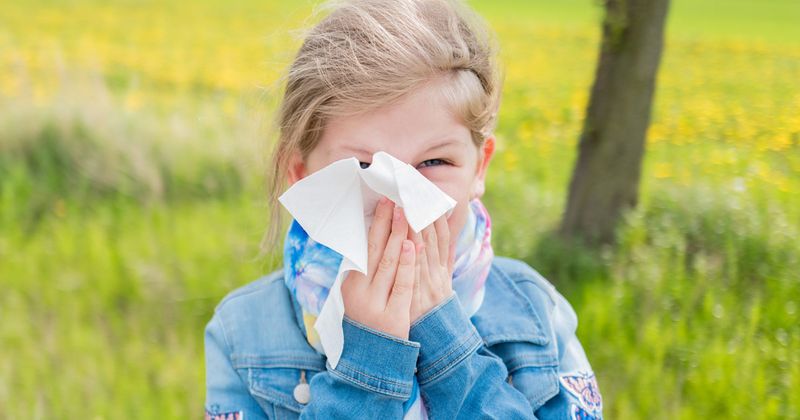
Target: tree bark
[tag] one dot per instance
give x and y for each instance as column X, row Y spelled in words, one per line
column 605, row 179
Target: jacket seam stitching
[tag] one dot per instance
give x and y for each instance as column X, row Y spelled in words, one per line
column 537, row 339
column 520, row 278
column 465, row 346
column 548, row 392
column 228, row 346
column 406, row 343
column 364, row 385
column 317, row 367
column 380, row 379
column 274, row 397
column 455, row 349
column 518, row 365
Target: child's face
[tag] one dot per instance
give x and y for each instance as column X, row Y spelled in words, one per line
column 419, row 130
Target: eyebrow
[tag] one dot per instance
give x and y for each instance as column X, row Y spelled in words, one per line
column 445, row 143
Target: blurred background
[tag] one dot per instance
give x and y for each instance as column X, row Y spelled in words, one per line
column 133, row 142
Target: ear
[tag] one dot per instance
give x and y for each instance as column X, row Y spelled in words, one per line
column 485, row 154
column 296, row 168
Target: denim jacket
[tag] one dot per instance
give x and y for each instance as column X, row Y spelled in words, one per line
column 517, row 357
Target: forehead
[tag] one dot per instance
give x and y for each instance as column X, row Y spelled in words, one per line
column 411, row 125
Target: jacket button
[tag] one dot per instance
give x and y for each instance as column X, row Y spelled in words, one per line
column 302, row 392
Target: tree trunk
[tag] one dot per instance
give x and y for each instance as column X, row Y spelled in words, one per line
column 605, row 180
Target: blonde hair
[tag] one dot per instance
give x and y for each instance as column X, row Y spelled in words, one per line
column 368, row 53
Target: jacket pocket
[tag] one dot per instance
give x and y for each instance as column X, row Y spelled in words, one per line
column 538, row 384
column 532, row 369
column 272, row 382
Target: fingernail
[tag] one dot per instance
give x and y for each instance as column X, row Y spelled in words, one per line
column 396, row 215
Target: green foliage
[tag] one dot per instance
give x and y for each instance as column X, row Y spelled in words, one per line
column 131, row 201
column 704, row 318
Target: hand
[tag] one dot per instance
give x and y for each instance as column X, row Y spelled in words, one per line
column 382, row 299
column 433, row 268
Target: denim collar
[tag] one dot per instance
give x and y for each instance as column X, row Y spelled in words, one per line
column 505, row 315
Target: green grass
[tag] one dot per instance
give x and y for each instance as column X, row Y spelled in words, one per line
column 132, row 145
column 104, row 315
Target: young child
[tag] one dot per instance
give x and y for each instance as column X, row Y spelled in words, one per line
column 439, row 327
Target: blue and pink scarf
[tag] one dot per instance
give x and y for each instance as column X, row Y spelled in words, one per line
column 310, row 269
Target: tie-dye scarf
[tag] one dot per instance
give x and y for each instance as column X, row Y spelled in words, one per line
column 310, row 269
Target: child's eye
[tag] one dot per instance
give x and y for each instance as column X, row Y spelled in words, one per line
column 431, row 162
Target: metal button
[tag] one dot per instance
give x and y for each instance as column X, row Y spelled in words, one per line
column 302, row 392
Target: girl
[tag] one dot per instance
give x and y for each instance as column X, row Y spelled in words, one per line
column 439, row 327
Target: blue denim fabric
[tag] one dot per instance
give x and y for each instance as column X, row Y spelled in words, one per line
column 517, row 357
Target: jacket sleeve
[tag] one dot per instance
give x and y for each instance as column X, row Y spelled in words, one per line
column 373, row 379
column 458, row 376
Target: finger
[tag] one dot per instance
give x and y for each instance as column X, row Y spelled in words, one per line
column 416, row 303
column 387, row 267
column 451, row 260
column 424, row 274
column 403, row 287
column 443, row 234
column 353, row 286
column 432, row 247
column 419, row 245
column 416, row 237
column 378, row 233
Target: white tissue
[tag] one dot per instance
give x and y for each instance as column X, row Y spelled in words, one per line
column 335, row 206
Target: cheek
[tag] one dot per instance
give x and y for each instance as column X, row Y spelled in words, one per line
column 457, row 220
column 457, row 190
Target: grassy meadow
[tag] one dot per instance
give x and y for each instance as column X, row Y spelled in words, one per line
column 133, row 141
